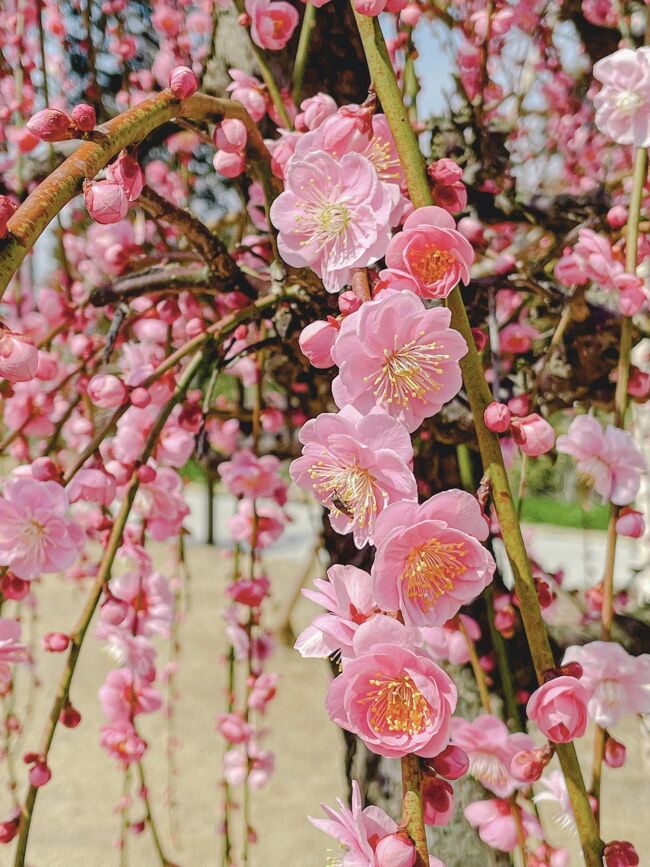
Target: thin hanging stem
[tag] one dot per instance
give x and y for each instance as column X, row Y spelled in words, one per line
column 479, row 395
column 302, row 52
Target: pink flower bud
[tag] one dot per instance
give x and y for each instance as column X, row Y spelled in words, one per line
column 617, row 217
column 233, row 728
column 183, row 82
column 70, row 717
column 348, row 302
column 45, row 470
column 106, row 201
column 411, row 14
column 615, row 753
column 7, row 209
column 114, row 611
column 519, row 405
column 272, row 420
column 395, row 850
column 140, row 397
column 231, row 135
column 497, row 417
column 84, row 117
column 39, row 775
column 630, row 523
column 504, row 264
column 480, row 339
column 437, row 801
column 146, row 474
column 620, row 853
column 9, row 828
column 126, row 172
column 559, row 707
column 106, row 391
column 638, row 385
column 18, row 357
column 228, row 164
column 472, row 230
column 533, row 434
column 451, row 763
column 316, row 341
column 55, row 642
column 527, row 766
column 370, row 7
column 13, row 587
column 51, row 125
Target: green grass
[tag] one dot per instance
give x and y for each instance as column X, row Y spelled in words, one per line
column 547, row 510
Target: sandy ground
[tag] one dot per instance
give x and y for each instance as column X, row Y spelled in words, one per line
column 75, row 824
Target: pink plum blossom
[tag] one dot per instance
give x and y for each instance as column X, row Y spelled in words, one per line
column 395, row 354
column 248, row 763
column 429, row 558
column 334, row 215
column 496, row 823
column 623, row 103
column 559, row 707
column 11, row 650
column 449, row 190
column 348, row 598
column 93, row 485
column 609, row 458
column 355, row 465
column 149, row 603
column 491, row 749
column 616, row 682
column 35, row 534
column 183, row 82
column 124, row 694
column 121, row 741
column 431, row 251
column 392, row 696
column 437, row 801
column 272, row 22
column 448, row 642
column 316, row 341
column 18, row 357
column 533, row 434
column 261, row 524
column 246, row 475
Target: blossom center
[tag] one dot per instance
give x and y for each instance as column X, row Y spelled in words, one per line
column 609, row 692
column 407, row 373
column 397, row 705
column 33, row 531
column 347, row 490
column 488, row 769
column 430, row 264
column 380, row 155
column 628, row 101
column 322, row 218
column 430, row 570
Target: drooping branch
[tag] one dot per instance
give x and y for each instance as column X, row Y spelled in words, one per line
column 155, row 280
column 101, row 146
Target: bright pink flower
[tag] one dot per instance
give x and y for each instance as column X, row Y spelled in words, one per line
column 609, row 458
column 92, row 485
column 334, row 215
column 396, row 355
column 448, row 642
column 616, row 682
column 50, row 124
column 314, row 110
column 620, row 853
column 149, row 603
column 429, row 559
column 18, row 357
column 7, row 209
column 316, row 341
column 106, row 201
column 448, row 188
column 272, row 22
column 249, row 91
column 263, row 526
column 246, row 475
column 121, row 741
column 533, row 434
column 126, row 172
column 123, row 695
column 183, row 82
column 497, row 417
column 249, row 591
column 84, row 117
column 349, row 599
column 431, row 251
column 262, row 691
column 623, row 103
column 35, row 535
column 355, row 465
column 496, row 824
column 517, row 337
column 437, row 800
column 559, row 707
column 390, row 695
column 491, row 749
column 356, row 829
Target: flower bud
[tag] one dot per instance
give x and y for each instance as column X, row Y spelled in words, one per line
column 348, row 302
column 18, row 357
column 229, row 165
column 533, row 434
column 437, row 801
column 55, row 642
column 559, row 707
column 39, row 774
column 140, row 397
column 84, row 117
column 497, row 417
column 451, row 763
column 620, row 853
column 7, row 209
column 70, row 717
column 126, row 172
column 106, row 391
column 316, row 341
column 14, row 587
column 630, row 523
column 183, row 82
column 615, row 753
column 45, row 470
column 231, row 135
column 9, row 828
column 616, row 217
column 480, row 339
column 51, row 125
column 106, row 201
column 395, row 850
column 146, row 474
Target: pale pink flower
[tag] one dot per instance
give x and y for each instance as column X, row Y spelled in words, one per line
column 431, row 251
column 533, row 434
column 249, row 91
column 18, row 357
column 316, row 341
column 554, row 791
column 234, row 728
column 121, row 741
column 262, row 525
column 395, row 354
column 149, row 603
column 314, row 110
column 496, row 824
column 248, row 763
column 429, row 558
column 491, row 749
column 631, row 524
column 124, row 694
column 223, row 434
column 263, row 691
column 272, row 22
column 334, row 215
column 616, row 683
column 135, row 652
column 11, row 650
column 356, row 829
column 162, row 503
column 355, row 465
column 559, row 707
column 246, row 475
column 35, row 534
column 448, row 188
column 349, row 599
column 623, row 102
column 392, row 696
column 448, row 642
column 92, row 485
column 609, row 458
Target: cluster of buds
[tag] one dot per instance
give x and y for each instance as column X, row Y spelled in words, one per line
column 532, row 433
column 53, row 125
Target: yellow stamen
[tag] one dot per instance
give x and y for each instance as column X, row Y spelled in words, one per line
column 430, row 570
column 408, row 373
column 397, row 705
column 430, row 264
